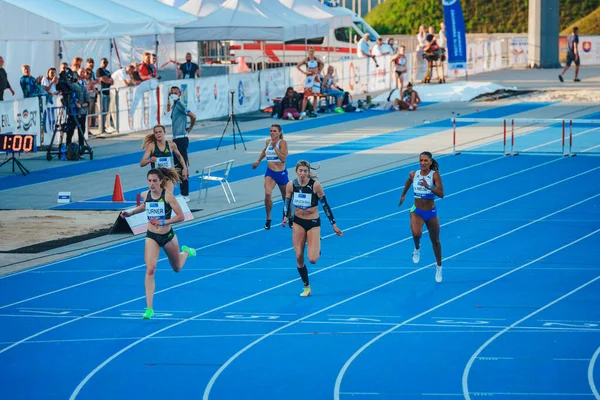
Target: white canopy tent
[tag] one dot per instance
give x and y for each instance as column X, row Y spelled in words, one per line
column 239, row 20
column 200, row 8
column 314, row 10
column 304, row 27
column 62, row 29
column 49, row 20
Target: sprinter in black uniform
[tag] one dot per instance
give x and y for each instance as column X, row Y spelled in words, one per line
column 304, row 194
column 159, row 204
column 159, row 154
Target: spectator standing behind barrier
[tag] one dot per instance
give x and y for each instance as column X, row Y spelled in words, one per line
column 188, row 70
column 146, row 69
column 4, row 84
column 103, row 75
column 31, row 86
column 572, row 54
column 363, row 50
column 179, row 128
column 50, row 81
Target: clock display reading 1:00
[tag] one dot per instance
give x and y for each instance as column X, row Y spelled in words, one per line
column 25, row 143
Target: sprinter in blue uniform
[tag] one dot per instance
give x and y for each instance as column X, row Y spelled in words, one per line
column 426, row 184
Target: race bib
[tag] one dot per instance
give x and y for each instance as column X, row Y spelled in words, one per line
column 302, row 200
column 155, row 210
column 164, row 162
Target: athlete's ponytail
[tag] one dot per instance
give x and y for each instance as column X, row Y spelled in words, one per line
column 165, row 175
column 434, row 164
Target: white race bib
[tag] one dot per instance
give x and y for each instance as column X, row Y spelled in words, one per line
column 164, row 162
column 155, row 210
column 302, row 200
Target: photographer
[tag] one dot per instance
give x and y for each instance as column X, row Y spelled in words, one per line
column 76, row 100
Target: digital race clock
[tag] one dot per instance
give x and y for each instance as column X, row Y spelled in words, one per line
column 17, row 143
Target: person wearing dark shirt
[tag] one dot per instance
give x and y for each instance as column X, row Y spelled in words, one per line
column 4, row 84
column 572, row 54
column 103, row 75
column 188, row 70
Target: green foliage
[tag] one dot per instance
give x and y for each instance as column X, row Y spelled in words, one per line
column 403, row 17
column 589, row 25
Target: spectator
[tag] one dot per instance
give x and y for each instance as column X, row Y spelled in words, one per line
column 146, row 70
column 442, row 41
column 136, row 78
column 106, row 81
column 188, row 70
column 4, row 84
column 363, row 50
column 31, row 86
column 389, row 47
column 89, row 64
column 50, row 81
column 122, row 77
column 290, row 105
column 381, row 49
column 421, row 38
column 331, row 89
column 63, row 67
column 76, row 64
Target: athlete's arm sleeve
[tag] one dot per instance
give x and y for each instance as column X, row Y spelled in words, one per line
column 287, row 210
column 327, row 210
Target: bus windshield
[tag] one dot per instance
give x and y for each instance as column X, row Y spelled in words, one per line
column 366, row 28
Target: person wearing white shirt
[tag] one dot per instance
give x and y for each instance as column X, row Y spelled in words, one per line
column 442, row 36
column 421, row 38
column 363, row 50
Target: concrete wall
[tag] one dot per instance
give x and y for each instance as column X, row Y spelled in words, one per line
column 544, row 17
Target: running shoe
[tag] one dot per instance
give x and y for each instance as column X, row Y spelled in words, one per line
column 576, row 80
column 148, row 314
column 438, row 273
column 305, row 291
column 190, row 250
column 416, row 256
column 561, row 78
column 268, row 224
column 339, row 110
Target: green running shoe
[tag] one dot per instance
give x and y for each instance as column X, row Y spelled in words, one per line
column 148, row 314
column 191, row 251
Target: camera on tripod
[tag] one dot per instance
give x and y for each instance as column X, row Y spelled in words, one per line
column 68, row 119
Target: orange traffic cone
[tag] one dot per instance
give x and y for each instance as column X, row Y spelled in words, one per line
column 118, row 190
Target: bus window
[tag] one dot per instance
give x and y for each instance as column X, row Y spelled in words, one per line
column 345, row 35
column 366, row 28
column 315, row 41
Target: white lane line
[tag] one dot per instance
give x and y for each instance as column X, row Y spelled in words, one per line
column 469, row 365
column 342, row 372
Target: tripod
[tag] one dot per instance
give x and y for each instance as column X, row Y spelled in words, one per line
column 61, row 125
column 234, row 124
column 14, row 160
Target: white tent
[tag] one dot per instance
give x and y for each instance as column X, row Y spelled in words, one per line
column 41, row 20
column 317, row 11
column 304, row 27
column 238, row 20
column 166, row 14
column 124, row 21
column 200, row 8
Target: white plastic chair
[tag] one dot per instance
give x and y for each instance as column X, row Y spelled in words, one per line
column 208, row 175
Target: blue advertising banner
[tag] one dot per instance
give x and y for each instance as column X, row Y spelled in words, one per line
column 455, row 34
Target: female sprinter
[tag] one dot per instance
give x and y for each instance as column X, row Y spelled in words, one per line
column 305, row 194
column 159, row 153
column 426, row 183
column 158, row 204
column 276, row 152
